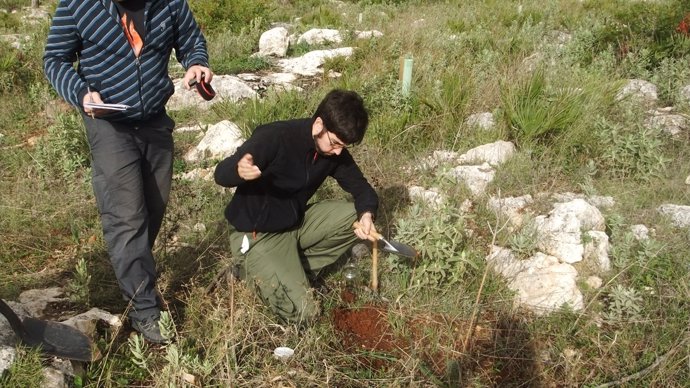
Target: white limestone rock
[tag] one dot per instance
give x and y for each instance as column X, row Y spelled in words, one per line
column 477, row 178
column 274, row 42
column 494, row 154
column 368, row 34
column 511, row 208
column 596, row 252
column 669, row 122
column 542, row 283
column 7, row 356
column 640, row 232
column 639, row 90
column 320, row 36
column 594, row 282
column 36, row 301
column 483, row 120
column 431, row 197
column 679, row 214
column 221, row 140
column 310, row 63
column 227, row 87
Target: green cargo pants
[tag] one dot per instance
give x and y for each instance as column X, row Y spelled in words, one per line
column 276, row 264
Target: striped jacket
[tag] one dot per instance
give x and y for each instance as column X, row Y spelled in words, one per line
column 90, row 31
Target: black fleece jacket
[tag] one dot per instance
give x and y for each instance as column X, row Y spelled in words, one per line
column 291, row 172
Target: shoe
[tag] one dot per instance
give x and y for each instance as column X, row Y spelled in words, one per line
column 149, row 329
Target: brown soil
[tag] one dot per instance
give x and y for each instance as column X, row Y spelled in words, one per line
column 499, row 350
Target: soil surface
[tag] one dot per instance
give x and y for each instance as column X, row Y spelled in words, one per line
column 498, row 348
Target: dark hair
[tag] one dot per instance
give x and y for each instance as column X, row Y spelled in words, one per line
column 344, row 115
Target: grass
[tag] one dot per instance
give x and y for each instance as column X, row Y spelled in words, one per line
column 549, row 72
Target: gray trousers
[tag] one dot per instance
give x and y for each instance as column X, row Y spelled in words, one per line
column 276, row 264
column 132, row 174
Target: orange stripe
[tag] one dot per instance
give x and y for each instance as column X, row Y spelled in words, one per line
column 132, row 35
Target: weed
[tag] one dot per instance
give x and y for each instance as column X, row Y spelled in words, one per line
column 25, row 371
column 167, row 325
column 78, row 287
column 624, row 305
column 322, row 16
column 64, row 149
column 139, row 351
column 524, row 241
column 222, row 15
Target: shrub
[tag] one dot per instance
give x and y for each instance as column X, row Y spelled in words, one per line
column 632, row 153
column 64, row 149
column 441, row 243
column 222, row 15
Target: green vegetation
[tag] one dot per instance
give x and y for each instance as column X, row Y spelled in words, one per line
column 548, row 70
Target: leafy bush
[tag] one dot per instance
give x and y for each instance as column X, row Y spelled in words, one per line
column 230, row 53
column 633, row 153
column 8, row 21
column 440, row 241
column 322, row 17
column 10, row 66
column 64, row 149
column 221, row 15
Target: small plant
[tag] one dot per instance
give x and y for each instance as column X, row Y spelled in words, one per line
column 624, row 304
column 590, row 171
column 79, row 286
column 182, row 368
column 139, row 349
column 524, row 242
column 167, row 325
column 9, row 66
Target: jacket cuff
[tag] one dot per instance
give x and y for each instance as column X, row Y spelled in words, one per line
column 80, row 97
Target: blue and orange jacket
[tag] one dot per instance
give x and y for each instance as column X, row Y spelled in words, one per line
column 89, row 31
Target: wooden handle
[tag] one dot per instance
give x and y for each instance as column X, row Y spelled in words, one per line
column 373, row 234
column 374, row 267
column 374, row 237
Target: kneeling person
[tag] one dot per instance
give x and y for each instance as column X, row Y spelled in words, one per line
column 276, row 237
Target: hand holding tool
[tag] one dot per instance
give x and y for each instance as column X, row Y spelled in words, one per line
column 203, row 88
column 390, row 245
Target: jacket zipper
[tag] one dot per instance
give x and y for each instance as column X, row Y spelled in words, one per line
column 138, row 62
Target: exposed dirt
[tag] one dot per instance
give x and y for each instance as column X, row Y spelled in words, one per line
column 499, row 350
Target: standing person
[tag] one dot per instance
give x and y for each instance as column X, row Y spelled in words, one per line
column 278, row 239
column 123, row 48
